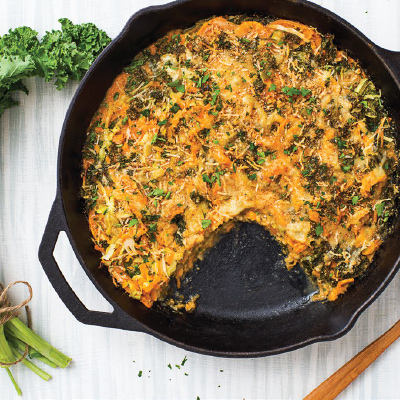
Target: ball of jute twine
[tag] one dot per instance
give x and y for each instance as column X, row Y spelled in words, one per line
column 7, row 312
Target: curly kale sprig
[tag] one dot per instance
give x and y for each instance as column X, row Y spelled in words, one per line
column 61, row 55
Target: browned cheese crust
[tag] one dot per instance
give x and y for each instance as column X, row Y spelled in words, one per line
column 236, row 120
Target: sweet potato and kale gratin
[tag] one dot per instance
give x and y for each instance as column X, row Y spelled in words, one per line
column 238, row 120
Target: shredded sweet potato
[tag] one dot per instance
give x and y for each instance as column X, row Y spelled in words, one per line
column 236, row 120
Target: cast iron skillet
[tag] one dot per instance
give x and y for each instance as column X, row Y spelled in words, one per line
column 252, row 306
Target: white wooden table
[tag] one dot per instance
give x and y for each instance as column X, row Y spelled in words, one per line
column 106, row 362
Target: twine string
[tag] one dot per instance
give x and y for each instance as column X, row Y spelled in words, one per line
column 7, row 312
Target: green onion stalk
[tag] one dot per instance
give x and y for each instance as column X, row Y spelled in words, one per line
column 60, row 56
column 17, row 341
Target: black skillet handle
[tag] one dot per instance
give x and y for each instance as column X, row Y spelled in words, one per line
column 55, row 224
column 392, row 59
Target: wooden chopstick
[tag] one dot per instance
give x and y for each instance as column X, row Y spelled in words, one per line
column 342, row 378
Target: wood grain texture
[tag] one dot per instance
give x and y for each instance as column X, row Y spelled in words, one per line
column 344, row 376
column 106, row 362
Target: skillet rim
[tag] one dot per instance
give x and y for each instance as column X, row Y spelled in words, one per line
column 59, row 197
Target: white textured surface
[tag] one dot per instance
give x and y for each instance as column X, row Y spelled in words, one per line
column 106, row 362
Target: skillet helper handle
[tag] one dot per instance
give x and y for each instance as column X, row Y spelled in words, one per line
column 55, row 224
column 392, row 59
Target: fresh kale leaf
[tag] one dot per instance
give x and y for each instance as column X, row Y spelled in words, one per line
column 61, row 56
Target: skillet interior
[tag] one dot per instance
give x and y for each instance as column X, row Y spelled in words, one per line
column 250, row 304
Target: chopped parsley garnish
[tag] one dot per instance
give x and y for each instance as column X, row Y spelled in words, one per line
column 379, row 208
column 319, row 230
column 291, row 91
column 177, row 85
column 346, row 168
column 229, row 87
column 214, row 177
column 157, row 192
column 205, row 223
column 154, row 139
column 175, row 108
column 207, row 179
column 133, row 222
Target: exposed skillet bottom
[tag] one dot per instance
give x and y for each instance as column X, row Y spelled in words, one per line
column 250, row 304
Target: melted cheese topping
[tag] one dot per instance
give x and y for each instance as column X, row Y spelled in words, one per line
column 236, row 120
